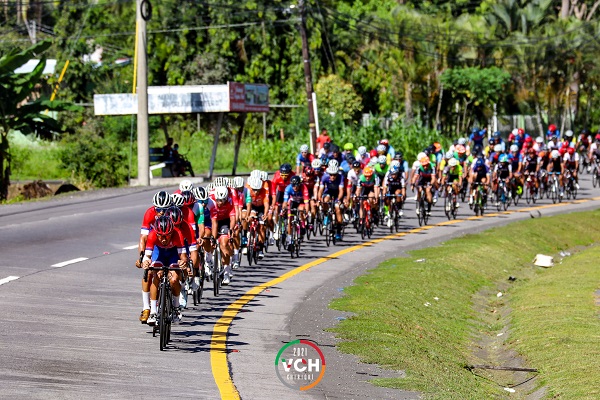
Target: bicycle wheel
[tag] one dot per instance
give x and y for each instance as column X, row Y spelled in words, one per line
column 163, row 311
column 448, row 205
column 421, row 214
column 250, row 247
column 198, row 292
column 454, row 206
column 327, row 231
column 574, row 192
column 499, row 199
column 320, row 220
column 332, row 233
column 216, row 271
column 297, row 245
column 369, row 227
column 595, row 177
column 427, row 209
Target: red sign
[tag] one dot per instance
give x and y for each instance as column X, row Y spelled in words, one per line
column 248, row 97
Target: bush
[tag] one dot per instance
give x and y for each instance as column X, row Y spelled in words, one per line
column 92, row 159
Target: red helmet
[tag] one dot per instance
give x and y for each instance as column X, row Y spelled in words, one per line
column 552, row 128
column 528, row 139
column 597, row 137
column 163, row 225
column 309, row 171
column 571, row 150
column 384, row 142
column 520, row 131
column 373, row 153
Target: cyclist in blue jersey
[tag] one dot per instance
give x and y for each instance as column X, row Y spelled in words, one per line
column 331, row 188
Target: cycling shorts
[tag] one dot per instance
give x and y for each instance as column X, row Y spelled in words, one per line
column 165, row 256
column 223, row 226
column 279, row 197
column 260, row 210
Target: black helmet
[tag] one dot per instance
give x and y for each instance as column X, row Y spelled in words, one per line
column 285, row 169
column 356, row 164
column 188, row 197
column 350, row 159
column 176, row 215
column 398, row 155
column 326, row 145
column 295, row 180
column 161, row 199
column 163, row 225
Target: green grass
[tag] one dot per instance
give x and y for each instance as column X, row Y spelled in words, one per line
column 392, row 327
column 557, row 325
column 37, row 162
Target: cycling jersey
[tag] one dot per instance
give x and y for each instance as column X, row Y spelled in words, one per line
column 295, row 196
column 310, row 182
column 352, row 178
column 304, row 161
column 453, row 173
column 367, row 185
column 555, row 165
column 189, row 234
column 503, row 170
column 393, row 182
column 477, row 138
column 570, row 160
column 425, row 175
column 256, row 198
column 188, row 216
column 168, row 254
column 225, row 211
column 332, row 187
column 381, row 171
column 278, row 184
column 531, row 163
column 514, row 160
column 148, row 220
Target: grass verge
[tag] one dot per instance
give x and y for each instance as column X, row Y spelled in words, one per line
column 399, row 324
column 557, row 325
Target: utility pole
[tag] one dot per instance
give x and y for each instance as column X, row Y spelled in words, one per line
column 308, row 78
column 142, row 14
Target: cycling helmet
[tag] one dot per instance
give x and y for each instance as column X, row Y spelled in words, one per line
column 188, row 198
column 333, row 163
column 528, row 139
column 395, row 163
column 316, row 163
column 372, row 162
column 462, row 141
column 356, row 164
column 497, row 134
column 210, row 187
column 460, row 149
column 498, row 148
column 421, row 155
column 348, row 146
column 199, row 193
column 555, row 154
column 479, row 162
column 221, row 193
column 520, row 131
column 597, row 138
column 238, row 182
column 185, row 184
column 286, row 169
column 264, row 175
column 368, row 171
column 492, row 142
column 571, row 150
column 569, row 133
column 382, row 159
column 177, row 199
column 384, row 142
column 394, row 169
column 430, row 149
column 449, row 155
column 381, row 148
column 539, row 140
column 552, row 128
column 373, row 153
column 295, row 181
column 226, row 182
column 350, row 159
column 255, row 183
column 424, row 161
column 161, row 199
column 220, row 181
column 453, row 162
column 362, row 150
column 304, row 148
column 398, row 156
column 163, row 225
column 326, row 145
column 514, row 148
column 477, row 149
column 503, row 158
column 332, row 169
column 176, row 215
column 437, row 147
column 256, row 173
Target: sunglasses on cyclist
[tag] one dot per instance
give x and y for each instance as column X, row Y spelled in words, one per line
column 164, row 237
column 161, row 209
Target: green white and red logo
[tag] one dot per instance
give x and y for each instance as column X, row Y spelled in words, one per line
column 300, row 365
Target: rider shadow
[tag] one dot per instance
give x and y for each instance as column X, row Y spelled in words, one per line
column 204, row 345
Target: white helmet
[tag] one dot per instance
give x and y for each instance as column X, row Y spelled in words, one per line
column 255, row 182
column 303, row 148
column 333, row 162
column 498, row 148
column 421, row 155
column 555, row 154
column 256, row 173
column 453, row 162
column 333, row 169
column 382, row 159
column 161, row 199
column 219, row 181
column 539, row 140
column 449, row 155
column 316, row 163
column 185, row 184
column 362, row 150
column 381, row 148
column 221, row 193
column 515, row 131
column 177, row 199
column 514, row 147
column 226, row 182
column 264, row 175
column 372, row 162
column 395, row 163
column 238, row 182
column 569, row 133
column 462, row 141
column 210, row 187
column 199, row 193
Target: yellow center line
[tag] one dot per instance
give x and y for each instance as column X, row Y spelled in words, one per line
column 218, row 344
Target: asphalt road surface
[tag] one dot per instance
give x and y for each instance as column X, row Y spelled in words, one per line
column 70, row 300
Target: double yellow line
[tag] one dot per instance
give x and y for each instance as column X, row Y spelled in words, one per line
column 218, row 344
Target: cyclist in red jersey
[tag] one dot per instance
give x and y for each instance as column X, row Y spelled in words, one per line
column 257, row 205
column 165, row 246
column 310, row 180
column 161, row 203
column 280, row 181
column 192, row 246
column 224, row 227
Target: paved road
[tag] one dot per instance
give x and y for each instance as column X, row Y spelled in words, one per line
column 70, row 330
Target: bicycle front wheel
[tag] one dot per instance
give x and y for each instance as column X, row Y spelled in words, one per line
column 216, row 271
column 164, row 312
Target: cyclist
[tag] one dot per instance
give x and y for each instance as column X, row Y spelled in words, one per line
column 331, row 188
column 531, row 167
column 453, row 175
column 204, row 224
column 184, row 185
column 161, row 202
column 188, row 234
column 362, row 156
column 552, row 132
column 502, row 171
column 381, row 168
column 556, row 167
column 349, row 151
column 394, row 185
column 311, row 180
column 498, row 140
column 368, row 185
column 303, row 159
column 352, row 183
column 479, row 176
column 594, row 151
column 224, row 227
column 518, row 137
column 325, row 150
column 257, row 206
column 389, row 150
column 477, row 136
column 165, row 247
column 570, row 138
column 424, row 177
column 280, row 181
column 295, row 198
column 571, row 161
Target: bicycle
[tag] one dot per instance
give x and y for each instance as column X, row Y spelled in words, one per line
column 252, row 248
column 201, row 274
column 555, row 188
column 165, row 310
column 282, row 226
column 424, row 210
column 595, row 174
column 366, row 222
column 296, row 237
column 394, row 212
column 329, row 225
column 479, row 198
column 570, row 187
column 450, row 201
column 502, row 195
column 530, row 189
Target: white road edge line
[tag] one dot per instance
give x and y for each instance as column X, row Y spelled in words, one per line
column 8, row 279
column 73, row 261
column 135, row 246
